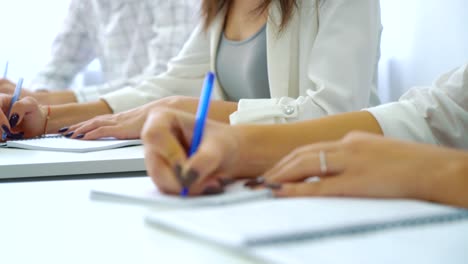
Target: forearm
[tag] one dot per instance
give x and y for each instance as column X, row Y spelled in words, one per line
column 218, row 111
column 450, row 184
column 262, row 146
column 69, row 114
column 55, row 98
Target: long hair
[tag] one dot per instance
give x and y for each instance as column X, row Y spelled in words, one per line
column 210, row 9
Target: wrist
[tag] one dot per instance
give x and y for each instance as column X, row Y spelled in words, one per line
column 255, row 153
column 70, row 114
column 447, row 183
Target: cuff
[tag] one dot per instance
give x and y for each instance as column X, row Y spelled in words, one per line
column 263, row 111
column 87, row 94
column 402, row 120
column 126, row 98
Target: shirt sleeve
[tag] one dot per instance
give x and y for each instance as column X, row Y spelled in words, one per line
column 340, row 71
column 172, row 25
column 435, row 115
column 72, row 50
column 184, row 76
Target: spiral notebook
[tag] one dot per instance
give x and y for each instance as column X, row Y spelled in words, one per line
column 141, row 191
column 55, row 142
column 290, row 220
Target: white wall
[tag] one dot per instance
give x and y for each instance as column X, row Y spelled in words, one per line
column 421, row 40
column 27, row 28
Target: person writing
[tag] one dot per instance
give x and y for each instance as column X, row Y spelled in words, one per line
column 290, row 64
column 357, row 165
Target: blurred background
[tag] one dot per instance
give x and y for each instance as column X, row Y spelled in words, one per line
column 421, row 40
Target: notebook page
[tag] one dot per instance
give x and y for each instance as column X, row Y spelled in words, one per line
column 430, row 244
column 142, row 191
column 289, row 219
column 63, row 144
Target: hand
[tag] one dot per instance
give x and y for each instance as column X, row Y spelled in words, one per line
column 7, row 87
column 125, row 125
column 26, row 117
column 364, row 165
column 128, row 125
column 167, row 135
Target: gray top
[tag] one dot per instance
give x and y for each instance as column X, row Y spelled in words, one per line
column 241, row 67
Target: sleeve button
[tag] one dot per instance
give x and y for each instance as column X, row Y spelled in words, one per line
column 288, row 109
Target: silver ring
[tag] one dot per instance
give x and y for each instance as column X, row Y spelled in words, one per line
column 323, row 162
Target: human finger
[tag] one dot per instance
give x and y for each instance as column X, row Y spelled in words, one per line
column 331, row 186
column 161, row 173
column 162, row 134
column 307, row 165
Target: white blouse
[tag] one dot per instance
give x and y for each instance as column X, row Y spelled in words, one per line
column 324, row 62
column 435, row 115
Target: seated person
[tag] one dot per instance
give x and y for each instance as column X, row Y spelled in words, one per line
column 131, row 40
column 358, row 165
column 290, row 64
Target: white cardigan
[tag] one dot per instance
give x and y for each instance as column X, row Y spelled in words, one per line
column 324, row 62
column 435, row 115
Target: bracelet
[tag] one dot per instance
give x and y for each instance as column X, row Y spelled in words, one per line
column 47, row 120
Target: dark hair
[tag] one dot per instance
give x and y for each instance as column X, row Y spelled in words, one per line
column 210, row 9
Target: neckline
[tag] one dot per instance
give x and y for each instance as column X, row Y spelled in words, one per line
column 240, row 42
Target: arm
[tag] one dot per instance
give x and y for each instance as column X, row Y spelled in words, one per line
column 337, row 69
column 233, row 151
column 362, row 165
column 436, row 115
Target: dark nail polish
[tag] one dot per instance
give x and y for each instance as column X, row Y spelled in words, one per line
column 16, row 136
column 254, row 182
column 6, row 129
column 14, row 120
column 273, row 186
column 178, row 174
column 212, row 190
column 63, row 129
column 226, row 182
column 190, row 177
column 69, row 134
column 80, row 136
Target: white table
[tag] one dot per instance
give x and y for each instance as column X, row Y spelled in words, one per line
column 54, row 222
column 18, row 163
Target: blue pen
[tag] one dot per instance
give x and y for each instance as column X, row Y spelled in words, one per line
column 5, row 73
column 202, row 112
column 15, row 98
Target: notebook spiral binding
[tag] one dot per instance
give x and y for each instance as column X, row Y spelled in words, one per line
column 40, row 137
column 458, row 215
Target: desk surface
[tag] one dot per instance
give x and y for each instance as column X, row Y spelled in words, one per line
column 55, row 222
column 19, row 163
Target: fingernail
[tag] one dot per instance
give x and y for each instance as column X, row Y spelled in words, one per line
column 14, row 120
column 190, row 177
column 254, row 182
column 6, row 129
column 212, row 190
column 80, row 136
column 69, row 134
column 225, row 182
column 178, row 173
column 273, row 186
column 16, row 136
column 63, row 129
